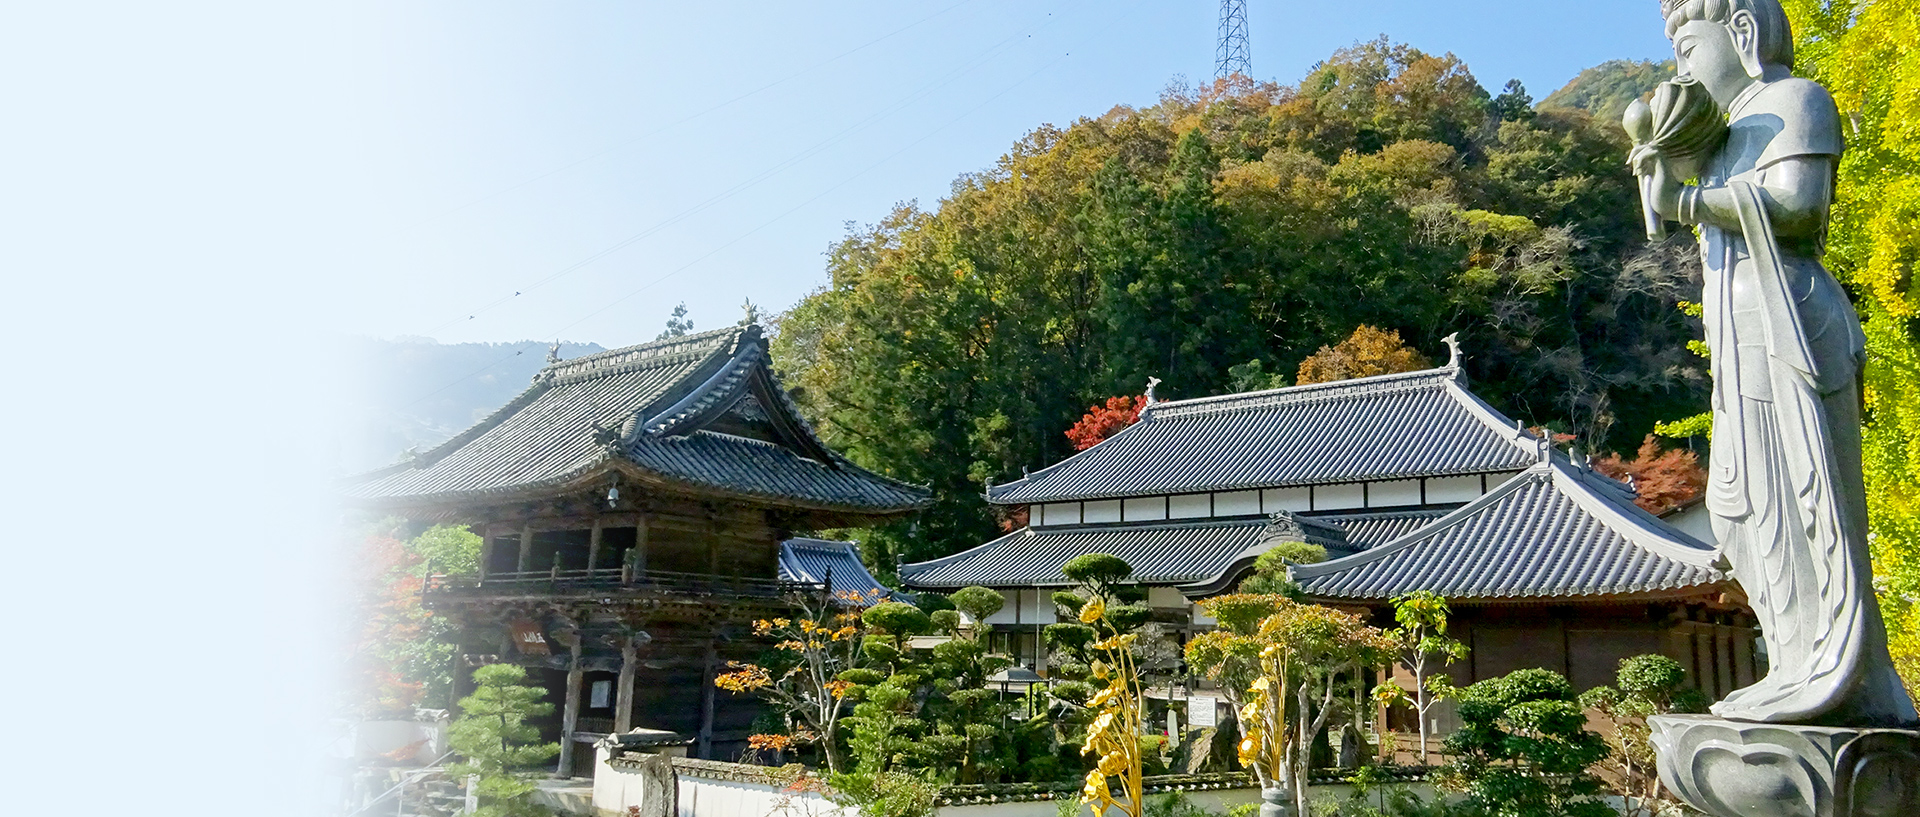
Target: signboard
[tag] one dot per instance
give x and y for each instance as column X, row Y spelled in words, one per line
column 602, row 696
column 528, row 638
column 1202, row 712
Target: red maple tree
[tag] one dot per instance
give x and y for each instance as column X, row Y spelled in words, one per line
column 1102, row 422
column 1664, row 479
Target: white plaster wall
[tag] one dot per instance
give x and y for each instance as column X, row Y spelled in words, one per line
column 1201, row 618
column 1236, row 503
column 1060, row 513
column 1393, row 494
column 1498, row 479
column 1329, row 497
column 1039, row 607
column 1146, row 508
column 1286, row 499
column 1453, row 489
column 700, row 797
column 1189, row 506
column 1024, row 607
column 1102, row 510
column 1165, row 598
column 1694, row 521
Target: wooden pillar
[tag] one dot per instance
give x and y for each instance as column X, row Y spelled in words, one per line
column 1703, row 658
column 1723, row 658
column 570, row 714
column 623, row 695
column 639, row 556
column 713, row 549
column 486, row 549
column 1743, row 663
column 706, row 703
column 593, row 547
column 526, row 548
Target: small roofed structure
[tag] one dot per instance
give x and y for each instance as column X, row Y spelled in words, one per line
column 632, row 505
column 830, row 564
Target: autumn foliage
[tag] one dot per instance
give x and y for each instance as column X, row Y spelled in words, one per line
column 1664, row 479
column 1101, row 422
column 1367, row 352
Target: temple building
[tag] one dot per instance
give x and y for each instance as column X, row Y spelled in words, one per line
column 633, row 505
column 1410, row 482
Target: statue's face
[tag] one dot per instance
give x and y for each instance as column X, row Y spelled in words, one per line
column 1706, row 51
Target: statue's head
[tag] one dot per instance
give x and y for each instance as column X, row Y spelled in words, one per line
column 1726, row 44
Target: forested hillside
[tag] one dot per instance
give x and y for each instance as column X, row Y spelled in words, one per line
column 955, row 345
column 1606, row 89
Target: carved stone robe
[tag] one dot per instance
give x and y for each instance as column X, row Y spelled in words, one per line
column 1785, row 490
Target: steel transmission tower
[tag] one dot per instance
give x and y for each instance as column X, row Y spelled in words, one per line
column 1232, row 57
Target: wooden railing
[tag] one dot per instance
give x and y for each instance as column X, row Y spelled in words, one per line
column 616, row 580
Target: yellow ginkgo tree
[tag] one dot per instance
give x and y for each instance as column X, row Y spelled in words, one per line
column 1863, row 51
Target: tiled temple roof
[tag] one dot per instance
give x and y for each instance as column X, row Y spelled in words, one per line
column 642, row 410
column 814, row 560
column 1556, row 531
column 1194, row 552
column 1395, row 426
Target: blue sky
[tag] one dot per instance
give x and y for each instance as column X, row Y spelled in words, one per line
column 608, row 161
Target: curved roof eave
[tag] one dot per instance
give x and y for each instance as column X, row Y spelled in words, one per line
column 1570, row 482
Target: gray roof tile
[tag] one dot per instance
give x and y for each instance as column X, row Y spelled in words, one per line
column 1160, row 553
column 1387, row 427
column 641, row 406
column 1555, row 531
column 814, row 560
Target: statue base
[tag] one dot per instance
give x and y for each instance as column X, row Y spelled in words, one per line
column 1742, row 769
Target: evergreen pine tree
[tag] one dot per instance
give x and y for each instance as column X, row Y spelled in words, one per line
column 496, row 740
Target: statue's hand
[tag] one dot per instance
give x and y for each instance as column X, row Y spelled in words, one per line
column 1643, row 159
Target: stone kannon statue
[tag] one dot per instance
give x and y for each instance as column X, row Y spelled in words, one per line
column 1746, row 153
column 1785, row 491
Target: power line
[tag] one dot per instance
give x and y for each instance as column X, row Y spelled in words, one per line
column 1232, row 56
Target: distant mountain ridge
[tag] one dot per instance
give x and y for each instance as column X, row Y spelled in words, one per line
column 413, row 393
column 1606, row 89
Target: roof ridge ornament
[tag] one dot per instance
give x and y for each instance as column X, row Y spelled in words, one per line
column 1151, row 383
column 553, row 352
column 1452, row 341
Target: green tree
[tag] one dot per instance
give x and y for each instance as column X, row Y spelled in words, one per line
column 1423, row 646
column 1287, row 664
column 1523, row 750
column 403, row 655
column 1648, row 685
column 678, row 324
column 497, row 743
